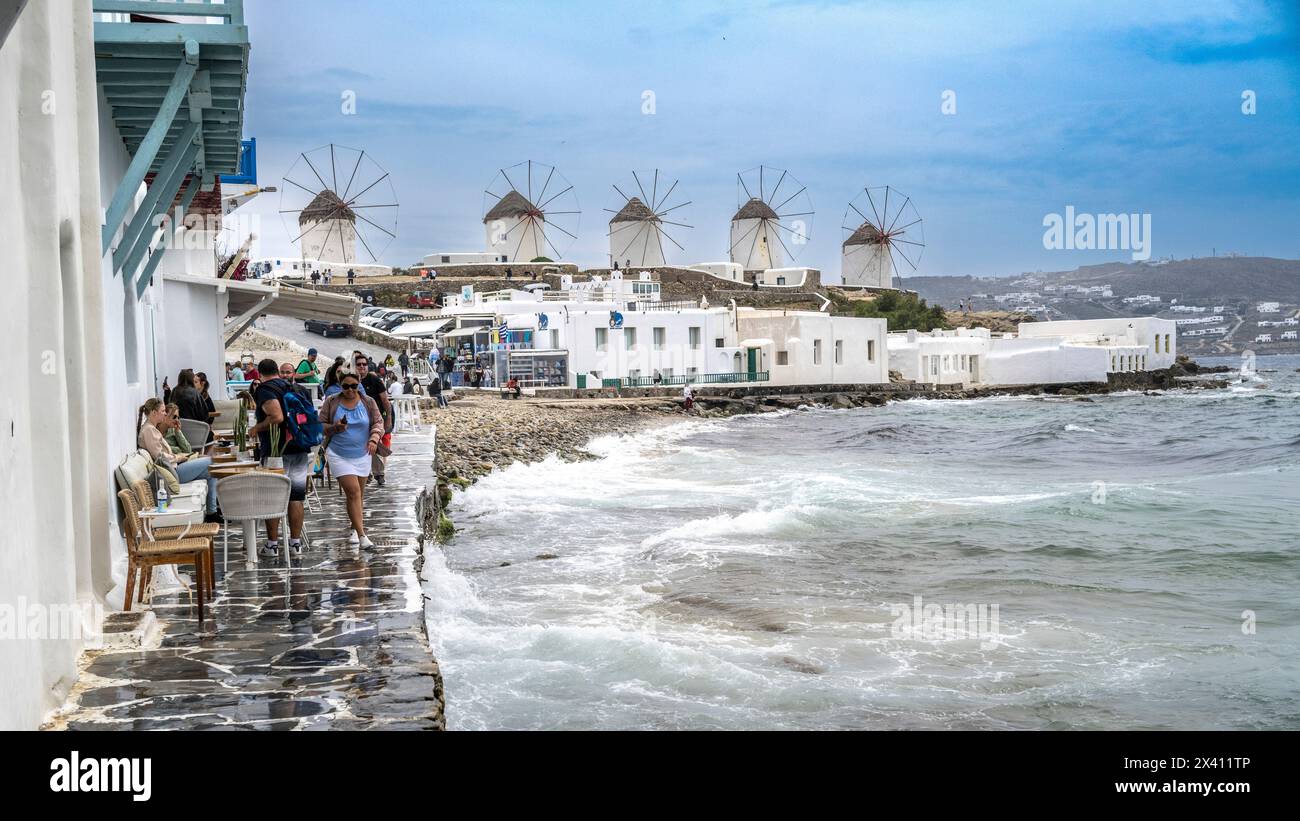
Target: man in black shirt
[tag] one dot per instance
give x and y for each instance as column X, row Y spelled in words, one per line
column 374, row 388
column 269, row 411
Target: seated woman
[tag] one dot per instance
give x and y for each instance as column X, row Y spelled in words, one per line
column 173, row 434
column 151, row 427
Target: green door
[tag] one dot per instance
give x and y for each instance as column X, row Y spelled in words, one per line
column 752, row 361
column 582, row 381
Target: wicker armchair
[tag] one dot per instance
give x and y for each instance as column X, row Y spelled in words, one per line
column 250, row 498
column 144, row 553
column 204, row 530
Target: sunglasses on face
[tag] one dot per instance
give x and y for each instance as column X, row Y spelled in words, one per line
column 351, row 386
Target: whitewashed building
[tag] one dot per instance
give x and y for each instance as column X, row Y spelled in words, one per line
column 1041, row 353
column 105, row 301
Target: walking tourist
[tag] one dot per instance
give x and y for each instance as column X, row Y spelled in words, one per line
column 353, row 426
column 315, row 279
column 688, row 394
column 404, row 362
column 375, row 390
column 268, row 401
column 332, row 376
column 352, row 276
column 150, row 425
column 308, row 373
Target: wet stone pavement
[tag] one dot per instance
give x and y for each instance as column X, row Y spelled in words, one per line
column 335, row 642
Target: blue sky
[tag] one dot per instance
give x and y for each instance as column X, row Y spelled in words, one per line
column 1105, row 105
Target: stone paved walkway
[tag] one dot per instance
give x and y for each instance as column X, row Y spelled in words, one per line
column 337, row 642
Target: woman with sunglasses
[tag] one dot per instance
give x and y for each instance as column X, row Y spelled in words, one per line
column 353, row 426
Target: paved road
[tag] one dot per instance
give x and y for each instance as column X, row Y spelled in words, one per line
column 292, row 329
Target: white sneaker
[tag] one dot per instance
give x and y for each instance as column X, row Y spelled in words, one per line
column 268, row 550
column 353, row 538
column 295, row 548
column 366, row 543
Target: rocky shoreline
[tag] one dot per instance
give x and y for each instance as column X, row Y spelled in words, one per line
column 480, row 432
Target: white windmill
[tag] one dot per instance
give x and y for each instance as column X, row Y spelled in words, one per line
column 757, row 229
column 357, row 204
column 521, row 227
column 888, row 232
column 636, row 231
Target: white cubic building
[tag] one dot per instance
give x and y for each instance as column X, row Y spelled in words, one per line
column 1041, row 353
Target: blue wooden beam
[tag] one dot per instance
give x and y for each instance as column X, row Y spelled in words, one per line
column 144, row 156
column 152, row 199
column 167, row 189
column 149, row 267
column 175, row 33
column 151, row 7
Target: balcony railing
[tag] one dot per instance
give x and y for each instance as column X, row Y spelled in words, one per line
column 697, row 379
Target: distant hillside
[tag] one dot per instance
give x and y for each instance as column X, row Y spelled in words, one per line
column 1224, row 291
column 1208, row 279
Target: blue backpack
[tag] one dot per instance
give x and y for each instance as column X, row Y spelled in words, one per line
column 302, row 426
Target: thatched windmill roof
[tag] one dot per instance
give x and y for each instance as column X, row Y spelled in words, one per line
column 867, row 234
column 634, row 211
column 327, row 205
column 512, row 204
column 755, row 209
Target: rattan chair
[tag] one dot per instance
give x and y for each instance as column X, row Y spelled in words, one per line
column 250, row 498
column 203, row 530
column 143, row 553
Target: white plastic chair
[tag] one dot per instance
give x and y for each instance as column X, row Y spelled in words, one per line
column 249, row 498
column 196, row 433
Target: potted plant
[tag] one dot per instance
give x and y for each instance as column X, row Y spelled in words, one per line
column 241, row 429
column 276, row 458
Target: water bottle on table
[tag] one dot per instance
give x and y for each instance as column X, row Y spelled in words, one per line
column 163, row 500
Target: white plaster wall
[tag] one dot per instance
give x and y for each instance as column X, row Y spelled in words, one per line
column 795, row 331
column 910, row 354
column 617, row 361
column 53, row 501
column 474, row 258
column 1120, row 331
column 793, row 277
column 1030, row 361
column 754, row 244
column 730, row 271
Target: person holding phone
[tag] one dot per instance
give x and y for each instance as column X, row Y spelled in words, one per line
column 353, row 427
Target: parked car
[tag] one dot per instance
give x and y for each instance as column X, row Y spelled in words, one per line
column 392, row 322
column 326, row 328
column 379, row 316
column 421, row 299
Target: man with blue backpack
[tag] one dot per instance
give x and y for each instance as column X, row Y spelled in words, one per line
column 280, row 403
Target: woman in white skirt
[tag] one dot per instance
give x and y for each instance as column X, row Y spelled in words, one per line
column 353, row 427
